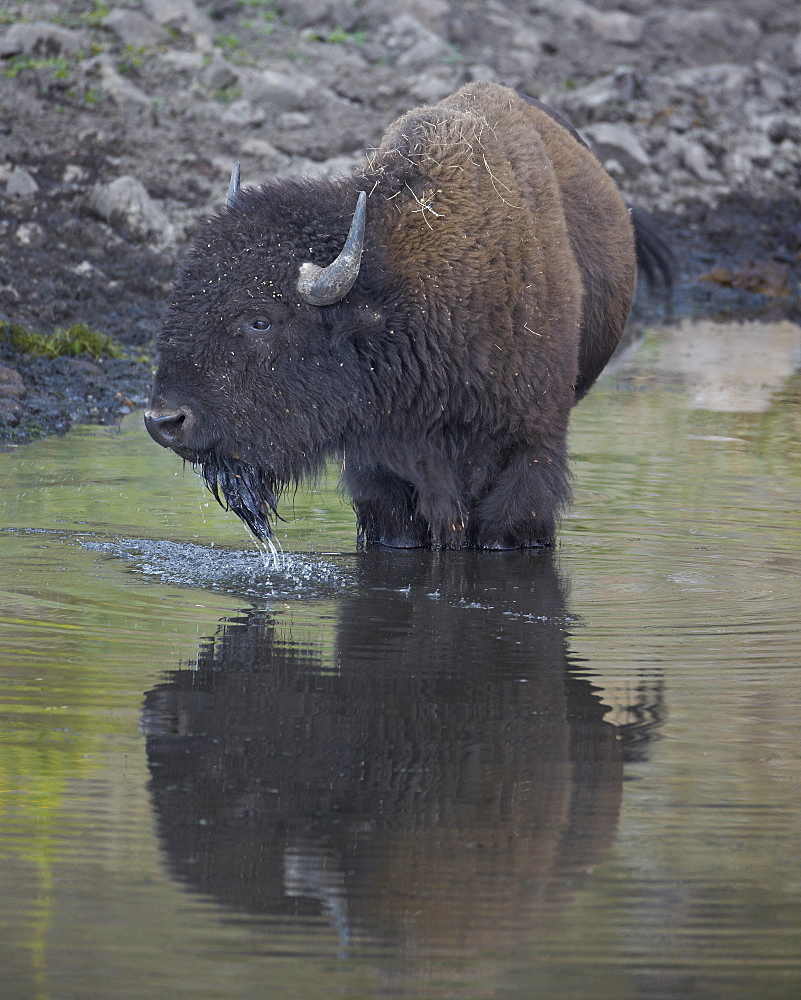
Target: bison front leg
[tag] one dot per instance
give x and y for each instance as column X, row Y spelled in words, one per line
column 521, row 507
column 386, row 508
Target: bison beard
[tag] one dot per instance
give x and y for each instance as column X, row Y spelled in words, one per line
column 431, row 320
column 246, row 491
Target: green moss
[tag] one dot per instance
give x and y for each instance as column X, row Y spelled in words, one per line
column 338, row 36
column 60, row 68
column 228, row 94
column 97, row 16
column 133, row 59
column 73, row 340
column 228, row 41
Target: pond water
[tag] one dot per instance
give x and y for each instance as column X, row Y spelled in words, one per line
column 521, row 775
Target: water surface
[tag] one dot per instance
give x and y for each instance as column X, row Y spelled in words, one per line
column 562, row 774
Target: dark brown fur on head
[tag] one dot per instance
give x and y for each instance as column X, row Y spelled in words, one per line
column 497, row 274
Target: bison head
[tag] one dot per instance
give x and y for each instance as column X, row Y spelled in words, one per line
column 265, row 341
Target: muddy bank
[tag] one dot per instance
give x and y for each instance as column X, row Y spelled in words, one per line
column 119, row 125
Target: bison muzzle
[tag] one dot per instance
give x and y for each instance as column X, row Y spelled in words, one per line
column 430, row 320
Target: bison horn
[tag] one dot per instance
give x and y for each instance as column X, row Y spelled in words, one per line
column 322, row 286
column 233, row 187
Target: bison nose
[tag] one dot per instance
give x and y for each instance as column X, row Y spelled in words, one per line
column 167, row 427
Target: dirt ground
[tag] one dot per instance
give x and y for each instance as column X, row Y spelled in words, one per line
column 119, row 124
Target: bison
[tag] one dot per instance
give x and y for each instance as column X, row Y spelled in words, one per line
column 430, row 320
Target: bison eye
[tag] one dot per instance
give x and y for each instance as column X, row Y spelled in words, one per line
column 259, row 324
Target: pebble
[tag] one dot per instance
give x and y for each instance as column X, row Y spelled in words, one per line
column 614, row 26
column 428, row 88
column 182, row 15
column 304, row 13
column 283, row 91
column 244, row 113
column 219, row 74
column 431, row 13
column 12, row 385
column 619, row 87
column 698, row 161
column 10, row 412
column 705, row 36
column 134, row 29
column 30, row 234
column 21, row 184
column 612, row 140
column 40, row 38
column 120, row 90
column 409, row 43
column 125, row 202
column 293, row 119
column 184, row 61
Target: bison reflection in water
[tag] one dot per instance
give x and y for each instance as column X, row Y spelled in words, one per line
column 432, row 773
column 470, row 299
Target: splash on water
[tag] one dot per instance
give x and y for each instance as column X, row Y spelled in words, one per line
column 265, row 573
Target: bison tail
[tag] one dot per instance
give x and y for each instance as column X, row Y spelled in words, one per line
column 656, row 262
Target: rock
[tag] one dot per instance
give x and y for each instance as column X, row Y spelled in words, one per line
column 782, row 127
column 335, row 166
column 10, row 412
column 520, row 62
column 480, row 71
column 431, row 13
column 74, row 173
column 771, row 86
column 428, row 88
column 184, row 61
column 614, row 26
column 290, row 120
column 21, row 184
column 410, row 44
column 134, row 29
column 283, row 91
column 304, row 13
column 244, row 113
column 12, row 385
column 218, row 75
column 265, row 152
column 620, row 87
column 86, row 269
column 760, row 150
column 795, row 52
column 706, row 36
column 182, row 15
column 125, row 203
column 696, row 158
column 120, row 90
column 30, row 234
column 725, row 78
column 613, row 141
column 40, row 38
column 527, row 38
column 748, row 152
column 82, row 366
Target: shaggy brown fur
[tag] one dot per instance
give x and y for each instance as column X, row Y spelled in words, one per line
column 497, row 275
